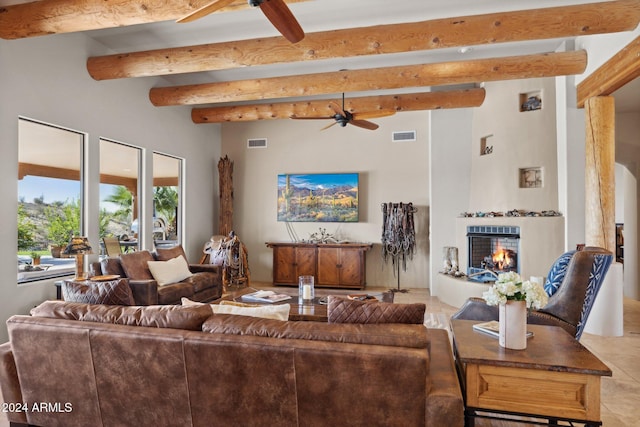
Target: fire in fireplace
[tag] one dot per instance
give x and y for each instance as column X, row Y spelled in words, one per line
column 492, row 250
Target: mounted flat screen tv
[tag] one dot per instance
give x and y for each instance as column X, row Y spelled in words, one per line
column 319, row 197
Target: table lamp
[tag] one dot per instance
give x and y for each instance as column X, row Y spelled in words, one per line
column 79, row 246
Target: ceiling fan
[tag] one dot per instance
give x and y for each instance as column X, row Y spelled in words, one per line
column 343, row 117
column 276, row 11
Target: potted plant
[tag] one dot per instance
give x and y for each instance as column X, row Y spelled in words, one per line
column 35, row 258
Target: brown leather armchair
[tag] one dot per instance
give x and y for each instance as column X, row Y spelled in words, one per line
column 578, row 276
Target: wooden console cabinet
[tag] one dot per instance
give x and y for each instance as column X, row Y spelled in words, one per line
column 332, row 265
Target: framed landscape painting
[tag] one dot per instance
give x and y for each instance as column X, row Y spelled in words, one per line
column 320, row 197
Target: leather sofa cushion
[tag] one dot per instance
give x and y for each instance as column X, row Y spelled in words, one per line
column 393, row 335
column 201, row 281
column 111, row 266
column 343, row 310
column 135, row 265
column 165, row 254
column 113, row 292
column 171, row 294
column 155, row 316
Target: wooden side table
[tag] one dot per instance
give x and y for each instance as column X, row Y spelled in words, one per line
column 555, row 377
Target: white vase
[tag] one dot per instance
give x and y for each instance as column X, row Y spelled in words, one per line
column 513, row 325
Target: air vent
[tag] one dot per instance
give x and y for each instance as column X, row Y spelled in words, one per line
column 257, row 143
column 404, row 136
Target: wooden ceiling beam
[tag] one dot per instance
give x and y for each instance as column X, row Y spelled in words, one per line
column 622, row 68
column 536, row 24
column 462, row 98
column 40, row 18
column 446, row 73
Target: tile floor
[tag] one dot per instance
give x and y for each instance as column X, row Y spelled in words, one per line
column 620, row 393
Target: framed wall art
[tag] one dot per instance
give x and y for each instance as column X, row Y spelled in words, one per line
column 319, row 197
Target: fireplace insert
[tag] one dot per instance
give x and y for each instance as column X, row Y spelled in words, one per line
column 492, row 250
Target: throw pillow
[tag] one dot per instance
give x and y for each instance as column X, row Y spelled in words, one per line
column 343, row 310
column 276, row 311
column 113, row 292
column 557, row 273
column 173, row 271
column 135, row 265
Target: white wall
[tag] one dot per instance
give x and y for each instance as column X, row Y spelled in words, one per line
column 45, row 79
column 627, row 197
column 389, row 172
column 450, row 151
column 520, row 140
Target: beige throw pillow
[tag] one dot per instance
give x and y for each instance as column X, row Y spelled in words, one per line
column 276, row 311
column 173, row 271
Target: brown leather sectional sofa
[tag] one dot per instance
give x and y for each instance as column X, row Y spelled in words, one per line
column 73, row 364
column 204, row 285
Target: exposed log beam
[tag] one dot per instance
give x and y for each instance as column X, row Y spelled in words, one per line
column 406, row 102
column 40, row 18
column 622, row 68
column 555, row 22
column 447, row 73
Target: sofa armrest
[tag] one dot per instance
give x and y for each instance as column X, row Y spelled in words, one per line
column 204, row 268
column 10, row 384
column 477, row 309
column 145, row 292
column 537, row 317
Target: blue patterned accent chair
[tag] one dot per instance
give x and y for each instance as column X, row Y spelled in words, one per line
column 576, row 280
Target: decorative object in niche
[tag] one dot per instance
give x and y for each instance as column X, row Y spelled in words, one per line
column 531, row 177
column 318, row 197
column 530, row 101
column 484, row 147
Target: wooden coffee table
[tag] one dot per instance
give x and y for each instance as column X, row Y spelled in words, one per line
column 315, row 312
column 555, row 377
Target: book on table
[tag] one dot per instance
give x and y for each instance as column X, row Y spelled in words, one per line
column 492, row 328
column 265, row 296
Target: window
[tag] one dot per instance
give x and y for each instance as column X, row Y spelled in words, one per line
column 167, row 200
column 119, row 193
column 50, row 201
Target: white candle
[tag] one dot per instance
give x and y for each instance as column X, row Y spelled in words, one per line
column 306, row 292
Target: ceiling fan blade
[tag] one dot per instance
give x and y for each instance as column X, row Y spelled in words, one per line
column 281, row 17
column 364, row 124
column 373, row 114
column 204, row 10
column 338, row 110
column 329, row 125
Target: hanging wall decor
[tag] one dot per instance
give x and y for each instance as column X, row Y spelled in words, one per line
column 398, row 235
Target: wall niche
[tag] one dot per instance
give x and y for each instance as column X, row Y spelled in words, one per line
column 531, row 177
column 531, row 101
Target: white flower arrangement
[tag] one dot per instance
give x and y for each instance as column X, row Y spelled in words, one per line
column 510, row 286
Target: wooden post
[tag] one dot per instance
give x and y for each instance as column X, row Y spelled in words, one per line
column 600, row 227
column 225, row 176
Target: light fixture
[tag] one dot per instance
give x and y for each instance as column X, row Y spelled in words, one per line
column 79, row 246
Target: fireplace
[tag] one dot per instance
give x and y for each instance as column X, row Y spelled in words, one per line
column 492, row 250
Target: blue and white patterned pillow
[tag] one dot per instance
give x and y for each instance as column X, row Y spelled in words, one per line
column 557, row 273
